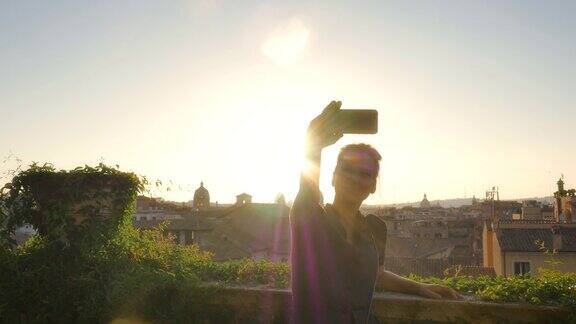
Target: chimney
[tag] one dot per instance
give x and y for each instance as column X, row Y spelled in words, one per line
column 556, row 238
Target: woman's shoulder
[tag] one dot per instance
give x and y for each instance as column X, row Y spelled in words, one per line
column 377, row 227
column 375, row 223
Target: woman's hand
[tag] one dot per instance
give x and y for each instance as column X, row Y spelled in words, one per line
column 437, row 292
column 322, row 131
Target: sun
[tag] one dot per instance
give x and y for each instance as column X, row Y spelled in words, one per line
column 287, row 43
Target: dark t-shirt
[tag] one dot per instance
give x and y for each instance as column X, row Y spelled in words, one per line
column 332, row 279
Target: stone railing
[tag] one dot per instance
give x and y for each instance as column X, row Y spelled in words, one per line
column 272, row 305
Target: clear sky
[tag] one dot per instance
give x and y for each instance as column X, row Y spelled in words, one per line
column 470, row 94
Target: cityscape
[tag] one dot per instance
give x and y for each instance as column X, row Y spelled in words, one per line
column 486, row 237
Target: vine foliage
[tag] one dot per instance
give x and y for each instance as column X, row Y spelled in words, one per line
column 69, row 207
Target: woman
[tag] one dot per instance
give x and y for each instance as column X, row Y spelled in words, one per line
column 337, row 254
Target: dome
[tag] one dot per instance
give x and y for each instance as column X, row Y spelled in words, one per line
column 425, row 203
column 201, row 197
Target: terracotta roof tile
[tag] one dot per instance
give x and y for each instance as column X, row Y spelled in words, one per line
column 524, row 239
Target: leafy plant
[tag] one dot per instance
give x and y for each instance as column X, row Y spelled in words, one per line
column 551, row 254
column 550, row 287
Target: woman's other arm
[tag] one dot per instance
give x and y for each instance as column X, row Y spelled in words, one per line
column 392, row 282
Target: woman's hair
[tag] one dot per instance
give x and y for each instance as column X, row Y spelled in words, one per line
column 352, row 152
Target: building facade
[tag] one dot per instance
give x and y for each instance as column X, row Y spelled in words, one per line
column 515, row 247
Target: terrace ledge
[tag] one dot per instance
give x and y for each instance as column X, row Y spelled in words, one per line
column 271, row 305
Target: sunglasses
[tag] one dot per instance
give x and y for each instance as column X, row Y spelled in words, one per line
column 349, row 171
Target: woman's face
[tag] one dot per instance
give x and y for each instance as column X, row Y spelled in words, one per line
column 355, row 177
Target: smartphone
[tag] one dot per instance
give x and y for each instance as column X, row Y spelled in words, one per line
column 357, row 121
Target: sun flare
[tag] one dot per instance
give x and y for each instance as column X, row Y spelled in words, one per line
column 287, row 43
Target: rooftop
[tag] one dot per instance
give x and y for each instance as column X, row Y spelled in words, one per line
column 524, row 239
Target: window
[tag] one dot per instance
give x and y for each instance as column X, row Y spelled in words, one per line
column 521, row 268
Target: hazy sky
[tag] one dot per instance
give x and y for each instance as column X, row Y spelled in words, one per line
column 470, row 94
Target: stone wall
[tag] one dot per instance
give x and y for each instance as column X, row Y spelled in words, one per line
column 271, row 305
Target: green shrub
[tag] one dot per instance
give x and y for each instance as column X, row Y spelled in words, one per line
column 550, row 287
column 250, row 273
